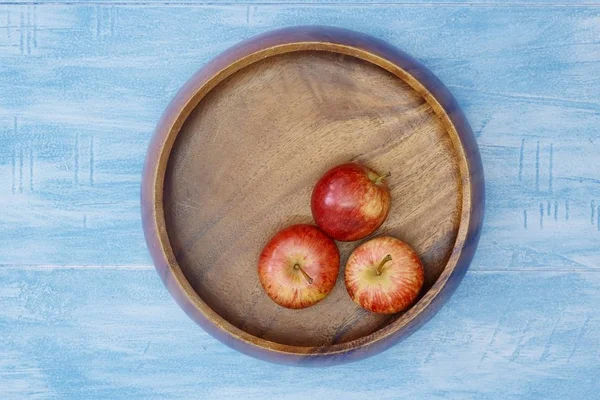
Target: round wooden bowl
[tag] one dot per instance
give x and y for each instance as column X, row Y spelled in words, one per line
column 235, row 157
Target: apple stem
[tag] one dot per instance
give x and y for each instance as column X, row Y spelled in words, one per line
column 306, row 276
column 382, row 177
column 382, row 263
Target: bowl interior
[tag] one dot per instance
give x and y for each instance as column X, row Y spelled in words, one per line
column 244, row 164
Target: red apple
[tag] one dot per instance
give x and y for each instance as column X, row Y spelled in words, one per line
column 384, row 275
column 350, row 202
column 299, row 266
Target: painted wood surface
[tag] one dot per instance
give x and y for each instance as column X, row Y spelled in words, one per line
column 85, row 86
column 98, row 333
column 312, row 3
column 82, row 87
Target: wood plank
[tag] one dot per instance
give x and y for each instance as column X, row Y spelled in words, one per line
column 116, row 333
column 344, row 3
column 84, row 85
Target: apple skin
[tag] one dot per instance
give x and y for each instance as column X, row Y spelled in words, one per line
column 291, row 251
column 399, row 283
column 350, row 202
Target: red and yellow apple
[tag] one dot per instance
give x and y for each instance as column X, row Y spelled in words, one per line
column 384, row 275
column 299, row 266
column 350, row 201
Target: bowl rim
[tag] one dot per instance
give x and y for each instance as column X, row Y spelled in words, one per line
column 366, row 48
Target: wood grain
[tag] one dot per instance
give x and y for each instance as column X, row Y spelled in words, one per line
column 236, row 154
column 245, row 162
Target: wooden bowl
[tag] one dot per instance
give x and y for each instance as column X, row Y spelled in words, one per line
column 235, row 157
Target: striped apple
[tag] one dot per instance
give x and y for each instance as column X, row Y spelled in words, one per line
column 299, row 266
column 384, row 275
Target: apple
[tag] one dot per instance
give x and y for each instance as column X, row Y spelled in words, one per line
column 350, row 201
column 299, row 266
column 384, row 275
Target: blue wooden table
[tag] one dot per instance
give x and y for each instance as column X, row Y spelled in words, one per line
column 83, row 315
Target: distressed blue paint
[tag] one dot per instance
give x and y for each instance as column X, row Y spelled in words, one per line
column 109, row 333
column 529, row 74
column 83, row 86
column 345, row 3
